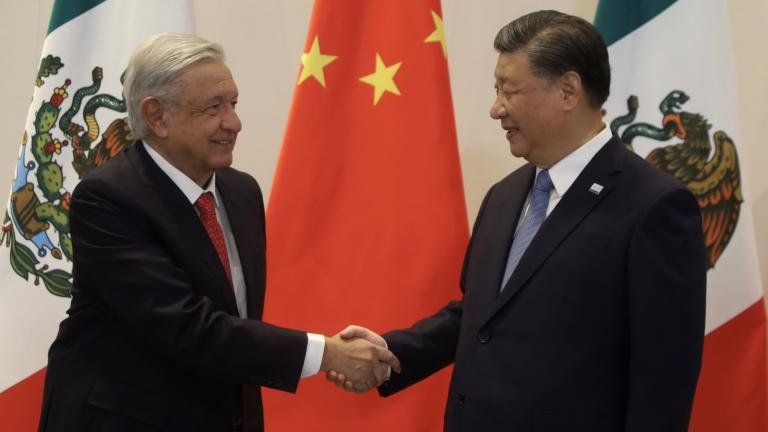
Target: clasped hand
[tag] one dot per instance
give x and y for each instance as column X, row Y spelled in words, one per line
column 357, row 359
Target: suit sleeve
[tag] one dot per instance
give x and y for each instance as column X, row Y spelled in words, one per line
column 430, row 344
column 121, row 262
column 666, row 288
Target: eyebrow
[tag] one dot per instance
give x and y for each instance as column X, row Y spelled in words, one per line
column 504, row 82
column 214, row 99
column 220, row 97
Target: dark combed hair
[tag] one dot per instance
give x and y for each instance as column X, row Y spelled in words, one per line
column 557, row 43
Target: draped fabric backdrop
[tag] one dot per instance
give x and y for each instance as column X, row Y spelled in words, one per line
column 366, row 222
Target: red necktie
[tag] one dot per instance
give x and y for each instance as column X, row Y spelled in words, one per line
column 206, row 205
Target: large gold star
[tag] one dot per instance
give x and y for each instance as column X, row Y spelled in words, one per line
column 314, row 62
column 439, row 34
column 383, row 79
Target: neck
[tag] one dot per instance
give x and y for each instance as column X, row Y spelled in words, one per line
column 200, row 177
column 580, row 130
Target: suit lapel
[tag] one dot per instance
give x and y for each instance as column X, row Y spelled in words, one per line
column 186, row 227
column 572, row 209
column 504, row 218
column 241, row 221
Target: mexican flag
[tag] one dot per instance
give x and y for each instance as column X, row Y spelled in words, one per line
column 673, row 101
column 366, row 221
column 76, row 121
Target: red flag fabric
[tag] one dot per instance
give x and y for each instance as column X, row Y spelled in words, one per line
column 366, row 220
column 20, row 404
column 731, row 393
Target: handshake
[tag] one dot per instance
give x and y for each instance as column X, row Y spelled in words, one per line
column 357, row 359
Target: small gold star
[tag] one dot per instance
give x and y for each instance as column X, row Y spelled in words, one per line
column 314, row 62
column 383, row 79
column 439, row 34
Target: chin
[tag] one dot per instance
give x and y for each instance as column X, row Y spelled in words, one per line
column 517, row 151
column 222, row 162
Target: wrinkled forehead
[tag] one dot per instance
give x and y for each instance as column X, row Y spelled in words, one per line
column 207, row 79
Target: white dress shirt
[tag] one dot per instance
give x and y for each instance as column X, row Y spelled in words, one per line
column 565, row 171
column 191, row 190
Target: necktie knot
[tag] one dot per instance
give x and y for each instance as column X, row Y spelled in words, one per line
column 206, row 204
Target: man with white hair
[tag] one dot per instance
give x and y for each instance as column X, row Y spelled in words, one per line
column 164, row 331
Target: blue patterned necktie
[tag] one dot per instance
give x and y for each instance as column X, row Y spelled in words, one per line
column 537, row 212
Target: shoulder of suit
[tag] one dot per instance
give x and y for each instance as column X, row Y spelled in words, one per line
column 242, row 179
column 117, row 171
column 522, row 174
column 648, row 176
column 235, row 174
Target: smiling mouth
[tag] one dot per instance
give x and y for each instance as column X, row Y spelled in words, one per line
column 223, row 142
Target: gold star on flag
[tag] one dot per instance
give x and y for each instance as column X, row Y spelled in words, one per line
column 439, row 34
column 383, row 79
column 314, row 62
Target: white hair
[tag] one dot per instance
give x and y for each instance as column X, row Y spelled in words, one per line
column 154, row 70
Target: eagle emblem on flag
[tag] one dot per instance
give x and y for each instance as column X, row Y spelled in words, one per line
column 713, row 177
column 56, row 146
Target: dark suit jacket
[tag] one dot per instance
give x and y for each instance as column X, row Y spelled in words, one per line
column 153, row 341
column 601, row 326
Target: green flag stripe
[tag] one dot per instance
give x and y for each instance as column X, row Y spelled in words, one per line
column 66, row 10
column 615, row 18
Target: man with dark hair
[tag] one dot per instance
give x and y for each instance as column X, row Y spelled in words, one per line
column 584, row 280
column 556, row 43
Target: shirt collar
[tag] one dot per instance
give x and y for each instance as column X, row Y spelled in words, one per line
column 188, row 187
column 565, row 172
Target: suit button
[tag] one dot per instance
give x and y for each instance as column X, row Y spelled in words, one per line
column 484, row 337
column 461, row 398
column 237, row 420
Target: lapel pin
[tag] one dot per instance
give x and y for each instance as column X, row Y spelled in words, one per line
column 596, row 188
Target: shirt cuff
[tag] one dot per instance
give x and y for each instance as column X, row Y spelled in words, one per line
column 314, row 356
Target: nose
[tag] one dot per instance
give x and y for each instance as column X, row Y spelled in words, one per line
column 231, row 121
column 498, row 111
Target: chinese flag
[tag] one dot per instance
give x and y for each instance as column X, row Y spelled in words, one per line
column 366, row 220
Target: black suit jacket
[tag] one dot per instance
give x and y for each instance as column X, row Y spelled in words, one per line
column 153, row 341
column 601, row 326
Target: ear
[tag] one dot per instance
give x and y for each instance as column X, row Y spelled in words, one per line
column 154, row 112
column 571, row 90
